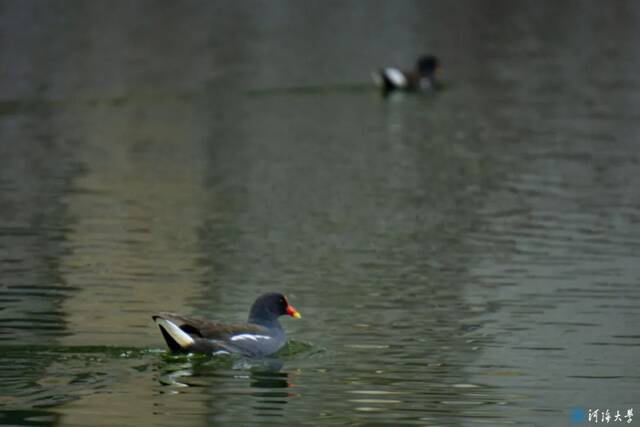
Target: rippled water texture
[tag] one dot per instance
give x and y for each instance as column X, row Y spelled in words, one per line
column 462, row 258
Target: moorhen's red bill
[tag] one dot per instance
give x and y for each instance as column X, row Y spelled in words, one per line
column 260, row 336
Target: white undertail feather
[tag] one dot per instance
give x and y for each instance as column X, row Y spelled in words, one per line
column 180, row 336
column 396, row 77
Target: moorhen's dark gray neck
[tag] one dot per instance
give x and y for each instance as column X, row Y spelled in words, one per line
column 273, row 325
column 263, row 316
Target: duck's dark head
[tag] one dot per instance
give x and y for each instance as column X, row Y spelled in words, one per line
column 427, row 65
column 269, row 307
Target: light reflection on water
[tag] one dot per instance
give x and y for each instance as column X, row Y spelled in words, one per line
column 459, row 259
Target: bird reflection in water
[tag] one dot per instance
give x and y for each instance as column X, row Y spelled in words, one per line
column 272, row 389
column 264, row 375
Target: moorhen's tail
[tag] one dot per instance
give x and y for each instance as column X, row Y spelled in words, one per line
column 177, row 339
column 389, row 79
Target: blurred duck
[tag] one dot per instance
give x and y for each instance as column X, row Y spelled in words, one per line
column 422, row 78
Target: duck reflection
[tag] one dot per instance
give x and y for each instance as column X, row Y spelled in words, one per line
column 264, row 377
column 234, row 389
column 176, row 378
column 270, row 379
column 272, row 390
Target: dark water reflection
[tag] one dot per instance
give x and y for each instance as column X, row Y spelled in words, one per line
column 464, row 258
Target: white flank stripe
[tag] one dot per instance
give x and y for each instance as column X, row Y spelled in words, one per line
column 396, row 76
column 249, row 337
column 176, row 333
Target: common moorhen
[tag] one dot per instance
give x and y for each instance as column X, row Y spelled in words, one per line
column 260, row 336
column 423, row 77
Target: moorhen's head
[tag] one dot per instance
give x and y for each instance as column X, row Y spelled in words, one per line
column 427, row 65
column 269, row 307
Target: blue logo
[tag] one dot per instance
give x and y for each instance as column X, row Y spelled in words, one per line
column 578, row 415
